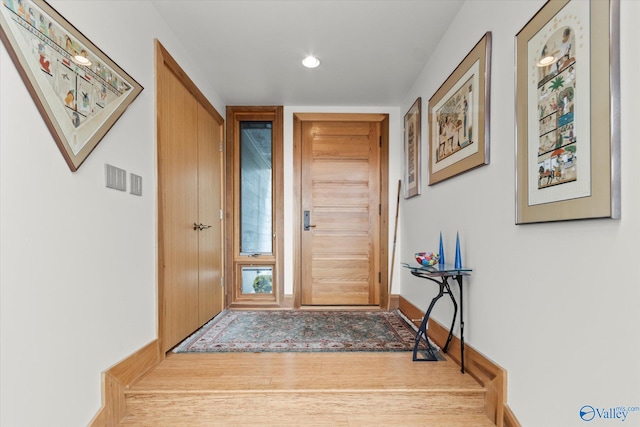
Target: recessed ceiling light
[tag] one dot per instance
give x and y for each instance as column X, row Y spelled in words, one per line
column 310, row 61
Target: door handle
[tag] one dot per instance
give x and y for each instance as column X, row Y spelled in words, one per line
column 307, row 218
column 200, row 226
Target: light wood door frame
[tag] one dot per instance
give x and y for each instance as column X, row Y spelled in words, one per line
column 298, row 119
column 163, row 60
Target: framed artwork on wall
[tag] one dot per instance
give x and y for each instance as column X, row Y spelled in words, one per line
column 79, row 91
column 567, row 113
column 412, row 151
column 459, row 116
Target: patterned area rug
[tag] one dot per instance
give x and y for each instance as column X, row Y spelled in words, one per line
column 301, row 331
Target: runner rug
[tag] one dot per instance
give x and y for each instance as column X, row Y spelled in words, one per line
column 301, row 331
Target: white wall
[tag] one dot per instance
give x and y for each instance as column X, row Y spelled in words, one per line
column 77, row 260
column 555, row 304
column 395, row 173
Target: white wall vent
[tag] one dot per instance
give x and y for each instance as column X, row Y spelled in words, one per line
column 116, row 178
column 136, row 184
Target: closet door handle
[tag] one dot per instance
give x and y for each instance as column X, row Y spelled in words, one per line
column 196, row 226
column 204, row 227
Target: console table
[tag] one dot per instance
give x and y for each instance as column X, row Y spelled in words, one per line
column 440, row 274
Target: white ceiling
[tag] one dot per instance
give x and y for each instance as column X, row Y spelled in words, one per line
column 371, row 51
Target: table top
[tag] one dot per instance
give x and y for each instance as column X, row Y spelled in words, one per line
column 439, row 270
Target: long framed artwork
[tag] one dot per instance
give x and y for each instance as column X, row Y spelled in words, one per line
column 79, row 91
column 459, row 116
column 567, row 113
column 412, row 150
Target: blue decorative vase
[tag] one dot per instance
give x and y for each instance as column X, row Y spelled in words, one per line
column 458, row 261
column 441, row 261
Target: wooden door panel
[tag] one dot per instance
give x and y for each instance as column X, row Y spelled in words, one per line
column 346, row 221
column 328, row 244
column 337, row 147
column 179, row 183
column 209, row 206
column 349, row 194
column 189, row 131
column 342, row 171
column 324, row 293
column 340, row 181
column 335, row 269
column 343, row 129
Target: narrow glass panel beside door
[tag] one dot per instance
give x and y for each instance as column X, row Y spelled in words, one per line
column 256, row 217
column 257, row 280
column 255, row 204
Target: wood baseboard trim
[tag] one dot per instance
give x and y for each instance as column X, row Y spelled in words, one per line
column 486, row 372
column 119, row 378
column 395, row 302
column 510, row 419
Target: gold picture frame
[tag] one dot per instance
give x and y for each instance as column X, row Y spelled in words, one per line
column 412, row 150
column 567, row 113
column 459, row 116
column 79, row 91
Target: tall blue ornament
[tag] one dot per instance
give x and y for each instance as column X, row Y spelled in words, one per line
column 458, row 261
column 441, row 260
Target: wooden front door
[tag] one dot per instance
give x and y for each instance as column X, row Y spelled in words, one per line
column 340, row 204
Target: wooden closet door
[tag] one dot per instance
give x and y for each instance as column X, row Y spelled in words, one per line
column 178, row 161
column 190, row 188
column 210, row 257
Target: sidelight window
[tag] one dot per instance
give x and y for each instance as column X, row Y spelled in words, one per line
column 256, row 188
column 254, row 163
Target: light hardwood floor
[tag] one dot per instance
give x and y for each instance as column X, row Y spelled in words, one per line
column 312, row 389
